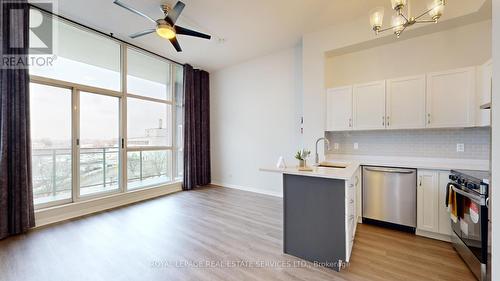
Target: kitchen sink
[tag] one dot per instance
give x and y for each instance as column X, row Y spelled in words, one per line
column 333, row 165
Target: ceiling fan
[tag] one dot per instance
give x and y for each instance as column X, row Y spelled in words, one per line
column 165, row 27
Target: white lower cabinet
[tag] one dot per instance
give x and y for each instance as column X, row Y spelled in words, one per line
column 351, row 206
column 433, row 219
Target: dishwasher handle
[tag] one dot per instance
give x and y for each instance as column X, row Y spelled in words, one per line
column 390, row 170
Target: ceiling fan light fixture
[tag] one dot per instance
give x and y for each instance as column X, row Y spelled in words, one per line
column 165, row 31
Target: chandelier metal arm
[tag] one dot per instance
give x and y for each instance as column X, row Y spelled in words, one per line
column 425, row 21
column 403, row 15
column 387, row 28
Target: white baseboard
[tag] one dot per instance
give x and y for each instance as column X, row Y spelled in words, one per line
column 73, row 210
column 250, row 189
column 433, row 235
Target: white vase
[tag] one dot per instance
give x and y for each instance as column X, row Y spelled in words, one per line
column 281, row 163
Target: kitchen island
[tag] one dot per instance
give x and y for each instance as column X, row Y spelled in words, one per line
column 320, row 213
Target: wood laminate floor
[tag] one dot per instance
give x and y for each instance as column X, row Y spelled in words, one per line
column 210, row 234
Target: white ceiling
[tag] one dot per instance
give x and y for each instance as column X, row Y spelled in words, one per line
column 249, row 28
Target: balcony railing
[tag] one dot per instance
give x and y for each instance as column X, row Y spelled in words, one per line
column 99, row 171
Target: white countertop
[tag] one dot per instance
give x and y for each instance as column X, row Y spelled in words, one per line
column 322, row 172
column 353, row 162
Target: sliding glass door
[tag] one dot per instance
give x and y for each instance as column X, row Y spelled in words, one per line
column 99, row 145
column 106, row 118
column 51, row 135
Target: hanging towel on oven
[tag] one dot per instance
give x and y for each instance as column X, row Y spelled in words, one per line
column 451, row 202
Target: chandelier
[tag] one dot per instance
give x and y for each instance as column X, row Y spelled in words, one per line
column 400, row 21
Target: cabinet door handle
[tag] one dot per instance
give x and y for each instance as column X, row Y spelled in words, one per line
column 420, row 181
column 350, row 122
column 428, row 118
column 388, row 121
column 383, row 120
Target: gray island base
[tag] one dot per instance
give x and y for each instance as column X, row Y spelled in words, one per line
column 317, row 223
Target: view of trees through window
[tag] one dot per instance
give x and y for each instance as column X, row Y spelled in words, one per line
column 90, row 143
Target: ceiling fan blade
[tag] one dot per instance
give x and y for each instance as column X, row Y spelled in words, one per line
column 142, row 33
column 176, row 11
column 133, row 10
column 184, row 31
column 176, row 45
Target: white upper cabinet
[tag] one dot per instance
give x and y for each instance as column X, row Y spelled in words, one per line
column 483, row 94
column 406, row 103
column 369, row 106
column 339, row 109
column 447, row 99
column 451, row 98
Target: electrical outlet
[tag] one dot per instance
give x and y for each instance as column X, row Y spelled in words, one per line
column 356, row 146
column 336, row 146
column 460, row 147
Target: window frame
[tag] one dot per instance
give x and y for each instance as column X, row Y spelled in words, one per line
column 123, row 96
column 170, row 102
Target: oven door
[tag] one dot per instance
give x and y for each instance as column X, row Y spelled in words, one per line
column 472, row 220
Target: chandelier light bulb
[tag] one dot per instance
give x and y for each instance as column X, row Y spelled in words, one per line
column 398, row 24
column 436, row 9
column 398, row 4
column 376, row 18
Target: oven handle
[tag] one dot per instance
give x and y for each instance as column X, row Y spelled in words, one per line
column 478, row 199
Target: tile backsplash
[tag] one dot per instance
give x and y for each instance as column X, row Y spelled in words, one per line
column 438, row 143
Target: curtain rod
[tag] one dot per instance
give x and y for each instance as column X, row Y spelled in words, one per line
column 103, row 33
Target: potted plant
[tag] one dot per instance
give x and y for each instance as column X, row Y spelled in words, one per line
column 302, row 157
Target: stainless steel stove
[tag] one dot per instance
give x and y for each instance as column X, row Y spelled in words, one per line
column 471, row 229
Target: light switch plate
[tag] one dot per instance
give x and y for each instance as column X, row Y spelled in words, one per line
column 356, row 146
column 460, row 147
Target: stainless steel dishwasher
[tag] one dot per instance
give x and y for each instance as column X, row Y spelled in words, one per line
column 390, row 197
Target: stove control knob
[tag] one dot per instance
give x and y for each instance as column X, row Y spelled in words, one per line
column 453, row 177
column 472, row 185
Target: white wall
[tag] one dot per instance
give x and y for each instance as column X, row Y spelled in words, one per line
column 468, row 45
column 495, row 200
column 255, row 111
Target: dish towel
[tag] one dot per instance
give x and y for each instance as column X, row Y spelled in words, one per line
column 451, row 203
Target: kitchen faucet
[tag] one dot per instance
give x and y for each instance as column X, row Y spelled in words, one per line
column 316, row 162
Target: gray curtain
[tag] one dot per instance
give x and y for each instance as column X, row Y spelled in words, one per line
column 16, row 193
column 196, row 128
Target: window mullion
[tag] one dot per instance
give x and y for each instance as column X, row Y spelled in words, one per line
column 75, row 128
column 123, row 121
column 173, row 129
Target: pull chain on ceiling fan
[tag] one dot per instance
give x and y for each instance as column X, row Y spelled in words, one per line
column 166, row 27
